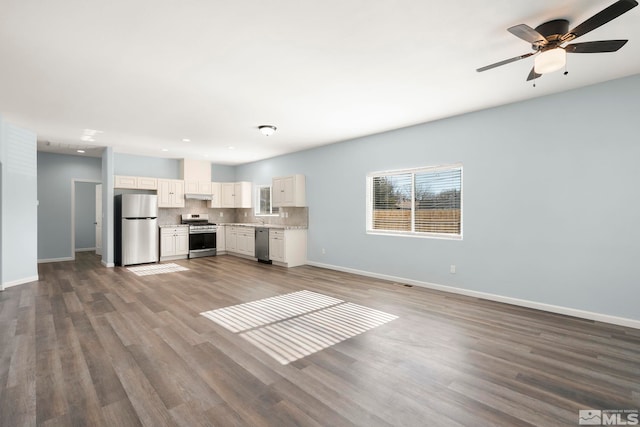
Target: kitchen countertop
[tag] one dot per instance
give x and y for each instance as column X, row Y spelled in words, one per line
column 245, row 224
column 256, row 224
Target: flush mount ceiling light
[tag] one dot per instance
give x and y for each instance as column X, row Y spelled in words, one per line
column 550, row 60
column 267, row 130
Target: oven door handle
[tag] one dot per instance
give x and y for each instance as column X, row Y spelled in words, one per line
column 202, row 231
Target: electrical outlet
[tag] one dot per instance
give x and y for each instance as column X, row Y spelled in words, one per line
column 221, row 214
column 286, row 214
column 245, row 214
column 452, row 269
column 323, row 251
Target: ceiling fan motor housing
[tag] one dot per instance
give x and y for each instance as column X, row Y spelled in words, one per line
column 553, row 32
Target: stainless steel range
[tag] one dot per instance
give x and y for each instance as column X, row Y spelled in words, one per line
column 202, row 235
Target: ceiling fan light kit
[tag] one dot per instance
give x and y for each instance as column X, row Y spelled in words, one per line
column 548, row 40
column 550, row 60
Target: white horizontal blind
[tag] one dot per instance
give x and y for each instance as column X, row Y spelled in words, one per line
column 422, row 201
column 392, row 202
column 437, row 201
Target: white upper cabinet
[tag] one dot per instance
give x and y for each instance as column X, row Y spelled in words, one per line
column 197, row 187
column 121, row 181
column 288, row 191
column 236, row 195
column 216, row 195
column 196, row 175
column 170, row 193
column 135, row 182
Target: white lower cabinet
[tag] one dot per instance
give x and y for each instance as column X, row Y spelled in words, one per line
column 288, row 247
column 231, row 238
column 240, row 240
column 246, row 241
column 276, row 245
column 174, row 242
column 221, row 239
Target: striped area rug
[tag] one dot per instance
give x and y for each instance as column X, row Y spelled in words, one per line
column 146, row 270
column 291, row 326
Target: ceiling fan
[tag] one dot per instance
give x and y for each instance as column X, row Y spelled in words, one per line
column 548, row 40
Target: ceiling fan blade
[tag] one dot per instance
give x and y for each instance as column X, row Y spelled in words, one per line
column 601, row 18
column 596, row 47
column 506, row 61
column 527, row 34
column 533, row 74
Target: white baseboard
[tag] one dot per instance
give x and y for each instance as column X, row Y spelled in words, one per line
column 85, row 249
column 599, row 317
column 19, row 282
column 107, row 264
column 69, row 258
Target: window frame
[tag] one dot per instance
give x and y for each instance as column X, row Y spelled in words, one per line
column 256, row 211
column 413, row 171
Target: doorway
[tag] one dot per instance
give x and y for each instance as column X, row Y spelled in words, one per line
column 86, row 216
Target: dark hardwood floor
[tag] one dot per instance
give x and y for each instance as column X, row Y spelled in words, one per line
column 92, row 346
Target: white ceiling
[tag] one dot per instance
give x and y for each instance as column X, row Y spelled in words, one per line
column 150, row 73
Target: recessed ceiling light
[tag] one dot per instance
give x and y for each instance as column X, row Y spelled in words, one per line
column 80, row 151
column 231, row 147
column 89, row 134
column 165, row 149
column 186, row 140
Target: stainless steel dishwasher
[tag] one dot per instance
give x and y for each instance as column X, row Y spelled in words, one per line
column 262, row 245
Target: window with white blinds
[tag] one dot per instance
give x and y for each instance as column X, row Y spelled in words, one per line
column 425, row 202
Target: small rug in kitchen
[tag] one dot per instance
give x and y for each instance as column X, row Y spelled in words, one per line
column 292, row 326
column 146, row 270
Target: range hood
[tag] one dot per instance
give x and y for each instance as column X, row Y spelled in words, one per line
column 198, row 196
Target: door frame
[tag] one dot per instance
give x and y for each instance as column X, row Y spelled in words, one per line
column 73, row 211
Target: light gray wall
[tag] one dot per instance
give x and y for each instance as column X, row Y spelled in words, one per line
column 107, row 207
column 19, row 205
column 85, row 215
column 223, row 173
column 156, row 167
column 128, row 164
column 55, row 175
column 1, row 227
column 551, row 207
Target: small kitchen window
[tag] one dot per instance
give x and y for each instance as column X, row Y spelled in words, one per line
column 264, row 206
column 423, row 202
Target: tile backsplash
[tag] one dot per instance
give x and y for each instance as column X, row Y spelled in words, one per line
column 288, row 216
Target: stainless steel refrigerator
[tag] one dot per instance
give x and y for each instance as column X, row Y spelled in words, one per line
column 136, row 229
